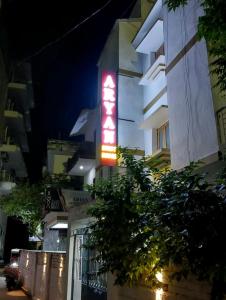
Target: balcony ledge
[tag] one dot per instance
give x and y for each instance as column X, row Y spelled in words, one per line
column 153, row 39
column 160, row 159
column 157, row 69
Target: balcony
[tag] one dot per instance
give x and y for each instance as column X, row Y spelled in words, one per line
column 160, row 159
column 153, row 39
column 22, row 95
column 13, row 158
column 74, row 198
column 56, row 220
column 83, row 160
column 156, row 70
column 22, row 73
column 16, row 128
column 156, row 116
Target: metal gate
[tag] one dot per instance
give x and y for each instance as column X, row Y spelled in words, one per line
column 88, row 284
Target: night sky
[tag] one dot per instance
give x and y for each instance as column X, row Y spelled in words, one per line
column 65, row 74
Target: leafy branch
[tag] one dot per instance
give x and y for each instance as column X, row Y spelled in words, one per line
column 148, row 219
column 24, row 202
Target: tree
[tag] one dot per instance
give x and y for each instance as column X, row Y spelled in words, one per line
column 147, row 220
column 24, row 202
column 212, row 26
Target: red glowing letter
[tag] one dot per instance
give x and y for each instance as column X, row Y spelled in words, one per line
column 108, row 119
column 109, row 106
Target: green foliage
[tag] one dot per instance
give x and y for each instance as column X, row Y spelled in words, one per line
column 24, row 202
column 212, row 26
column 147, row 220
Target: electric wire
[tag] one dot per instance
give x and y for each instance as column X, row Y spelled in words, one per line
column 43, row 48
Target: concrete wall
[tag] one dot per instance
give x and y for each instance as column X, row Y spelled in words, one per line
column 192, row 121
column 130, row 115
column 128, row 58
column 88, row 179
column 174, row 290
column 54, row 240
column 43, row 274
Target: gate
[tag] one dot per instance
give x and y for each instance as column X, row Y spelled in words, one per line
column 87, row 283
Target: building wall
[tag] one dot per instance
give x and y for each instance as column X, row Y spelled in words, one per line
column 89, row 177
column 193, row 131
column 129, row 112
column 129, row 60
column 54, row 240
column 58, row 163
column 191, row 289
column 43, row 274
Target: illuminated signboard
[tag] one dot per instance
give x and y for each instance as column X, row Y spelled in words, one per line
column 108, row 119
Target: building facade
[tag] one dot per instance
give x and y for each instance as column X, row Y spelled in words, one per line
column 16, row 101
column 156, row 96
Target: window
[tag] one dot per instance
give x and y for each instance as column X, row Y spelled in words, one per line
column 163, row 138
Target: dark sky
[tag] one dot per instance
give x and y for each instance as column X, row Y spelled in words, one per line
column 65, row 74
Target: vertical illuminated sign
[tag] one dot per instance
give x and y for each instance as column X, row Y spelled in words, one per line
column 108, row 119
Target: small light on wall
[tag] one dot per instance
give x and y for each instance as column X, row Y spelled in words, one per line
column 159, row 294
column 81, row 167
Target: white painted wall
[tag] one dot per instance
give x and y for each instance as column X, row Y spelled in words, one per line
column 128, row 58
column 191, row 115
column 179, row 27
column 130, row 115
column 153, row 89
column 88, row 178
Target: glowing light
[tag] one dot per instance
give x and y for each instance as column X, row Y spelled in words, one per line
column 61, row 266
column 109, row 124
column 109, row 95
column 45, row 258
column 108, row 155
column 27, row 260
column 60, row 226
column 159, row 276
column 14, row 265
column 108, row 119
column 44, row 269
column 108, row 148
column 109, row 137
column 81, row 167
column 159, row 294
column 109, row 82
column 109, row 106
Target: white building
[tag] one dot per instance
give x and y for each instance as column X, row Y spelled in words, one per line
column 180, row 105
column 155, row 97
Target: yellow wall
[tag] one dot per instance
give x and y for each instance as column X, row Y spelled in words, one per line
column 58, row 164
